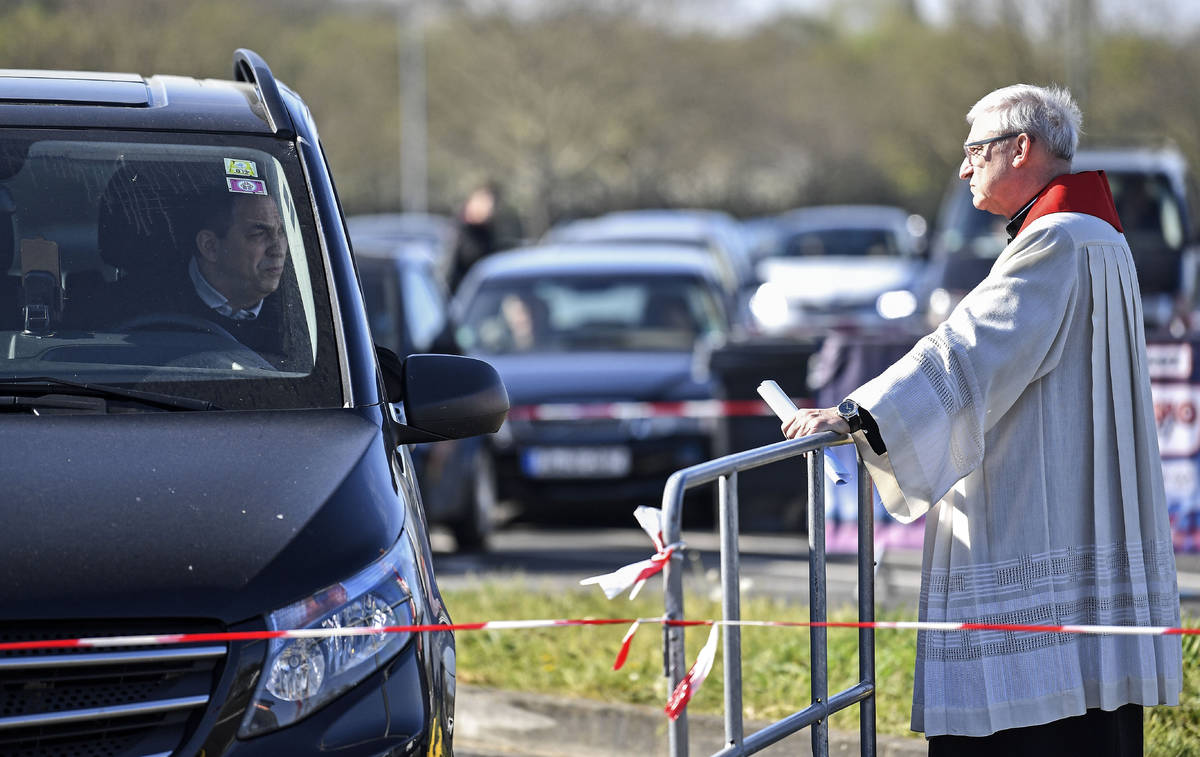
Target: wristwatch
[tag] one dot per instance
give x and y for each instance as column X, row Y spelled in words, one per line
column 849, row 412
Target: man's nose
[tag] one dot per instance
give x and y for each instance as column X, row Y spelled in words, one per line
column 278, row 246
column 965, row 169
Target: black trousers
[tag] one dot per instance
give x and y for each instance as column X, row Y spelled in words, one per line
column 1096, row 733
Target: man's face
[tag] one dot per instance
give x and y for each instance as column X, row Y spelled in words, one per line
column 246, row 264
column 989, row 169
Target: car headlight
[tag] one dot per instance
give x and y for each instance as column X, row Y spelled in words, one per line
column 302, row 675
column 769, row 306
column 898, row 303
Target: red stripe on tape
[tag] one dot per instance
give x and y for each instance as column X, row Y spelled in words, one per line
column 192, row 638
column 567, row 411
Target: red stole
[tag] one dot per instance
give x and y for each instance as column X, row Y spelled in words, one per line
column 1085, row 192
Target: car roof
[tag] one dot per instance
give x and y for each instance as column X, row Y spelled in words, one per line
column 1140, row 159
column 843, row 216
column 130, row 101
column 695, row 225
column 595, row 259
column 404, row 251
column 382, row 226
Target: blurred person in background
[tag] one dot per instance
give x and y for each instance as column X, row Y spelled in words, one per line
column 1024, row 426
column 486, row 224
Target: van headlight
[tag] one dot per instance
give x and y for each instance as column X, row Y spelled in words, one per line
column 300, row 676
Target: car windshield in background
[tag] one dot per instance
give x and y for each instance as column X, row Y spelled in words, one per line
column 1153, row 223
column 841, row 243
column 585, row 313
column 177, row 264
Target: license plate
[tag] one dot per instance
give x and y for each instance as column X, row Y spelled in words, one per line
column 577, row 462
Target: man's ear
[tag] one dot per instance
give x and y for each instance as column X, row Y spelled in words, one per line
column 207, row 244
column 1024, row 145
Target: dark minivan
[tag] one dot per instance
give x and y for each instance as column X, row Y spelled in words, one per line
column 201, row 437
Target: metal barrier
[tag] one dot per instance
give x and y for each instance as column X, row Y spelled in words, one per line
column 724, row 470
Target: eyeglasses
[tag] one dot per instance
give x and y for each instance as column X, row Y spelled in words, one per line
column 974, row 150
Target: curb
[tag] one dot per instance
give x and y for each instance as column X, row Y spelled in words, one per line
column 494, row 722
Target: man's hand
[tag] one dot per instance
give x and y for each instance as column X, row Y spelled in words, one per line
column 811, row 421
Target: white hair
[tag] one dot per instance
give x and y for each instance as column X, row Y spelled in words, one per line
column 1046, row 113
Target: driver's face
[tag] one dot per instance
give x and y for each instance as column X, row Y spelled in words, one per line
column 247, row 263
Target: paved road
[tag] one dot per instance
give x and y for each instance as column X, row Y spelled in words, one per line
column 771, row 564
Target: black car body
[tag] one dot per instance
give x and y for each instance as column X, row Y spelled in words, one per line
column 616, row 343
column 162, row 476
column 407, row 304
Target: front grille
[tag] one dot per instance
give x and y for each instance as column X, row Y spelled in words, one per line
column 114, row 702
column 580, row 430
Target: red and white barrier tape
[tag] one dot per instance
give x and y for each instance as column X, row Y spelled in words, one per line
column 97, row 642
column 568, row 411
column 679, row 697
column 635, row 574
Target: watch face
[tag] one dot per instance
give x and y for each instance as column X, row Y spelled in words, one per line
column 848, row 407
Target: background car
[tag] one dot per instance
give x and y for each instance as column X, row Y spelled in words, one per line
column 436, row 235
column 714, row 232
column 836, row 267
column 601, row 348
column 1152, row 191
column 407, row 304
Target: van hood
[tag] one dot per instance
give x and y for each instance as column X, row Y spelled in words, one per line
column 224, row 515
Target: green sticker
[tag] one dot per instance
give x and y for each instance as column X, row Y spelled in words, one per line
column 235, row 167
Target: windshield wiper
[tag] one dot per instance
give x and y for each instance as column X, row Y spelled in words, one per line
column 157, row 399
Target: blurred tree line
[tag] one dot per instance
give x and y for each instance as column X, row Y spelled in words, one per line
column 581, row 106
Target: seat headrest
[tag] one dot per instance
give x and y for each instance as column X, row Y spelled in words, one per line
column 147, row 212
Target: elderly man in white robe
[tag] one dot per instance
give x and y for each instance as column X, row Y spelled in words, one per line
column 1023, row 427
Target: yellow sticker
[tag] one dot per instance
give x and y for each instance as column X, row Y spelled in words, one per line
column 235, row 167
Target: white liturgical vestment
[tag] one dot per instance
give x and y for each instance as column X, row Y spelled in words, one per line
column 1023, row 426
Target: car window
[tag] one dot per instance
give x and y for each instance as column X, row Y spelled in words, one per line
column 382, row 303
column 424, row 307
column 591, row 313
column 841, row 243
column 179, row 263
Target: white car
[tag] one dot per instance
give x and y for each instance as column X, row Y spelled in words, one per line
column 836, row 267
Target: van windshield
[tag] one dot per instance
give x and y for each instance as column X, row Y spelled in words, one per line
column 176, row 263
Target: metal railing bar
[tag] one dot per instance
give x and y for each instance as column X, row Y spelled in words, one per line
column 724, row 470
column 866, row 606
column 731, row 606
column 818, row 649
column 781, row 729
column 711, row 470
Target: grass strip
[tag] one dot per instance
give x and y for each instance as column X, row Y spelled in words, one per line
column 577, row 661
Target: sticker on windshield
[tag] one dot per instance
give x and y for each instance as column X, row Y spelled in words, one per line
column 247, row 186
column 235, row 167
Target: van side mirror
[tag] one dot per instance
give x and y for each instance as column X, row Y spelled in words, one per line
column 444, row 396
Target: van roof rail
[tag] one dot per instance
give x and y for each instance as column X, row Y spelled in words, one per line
column 249, row 66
